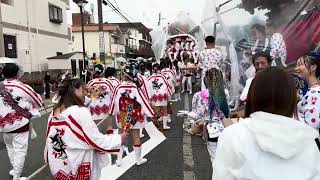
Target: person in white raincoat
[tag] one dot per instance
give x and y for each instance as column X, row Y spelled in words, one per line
column 269, row 144
column 75, row 149
column 18, row 103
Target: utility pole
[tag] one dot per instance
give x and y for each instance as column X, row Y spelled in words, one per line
column 101, row 34
column 2, row 53
column 159, row 19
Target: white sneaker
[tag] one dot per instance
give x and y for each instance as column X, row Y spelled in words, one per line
column 182, row 91
column 142, row 161
column 118, row 163
column 165, row 124
column 19, row 178
column 11, row 172
column 141, row 135
column 190, row 92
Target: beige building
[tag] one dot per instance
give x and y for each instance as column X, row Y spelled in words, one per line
column 33, row 30
column 113, row 45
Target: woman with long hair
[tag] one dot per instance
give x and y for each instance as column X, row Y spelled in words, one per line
column 308, row 68
column 269, row 143
column 73, row 142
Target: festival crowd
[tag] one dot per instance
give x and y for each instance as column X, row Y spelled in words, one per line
column 275, row 138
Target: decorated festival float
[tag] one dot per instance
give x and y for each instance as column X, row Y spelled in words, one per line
column 180, row 36
column 285, row 29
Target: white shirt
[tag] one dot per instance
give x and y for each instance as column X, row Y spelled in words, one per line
column 267, row 147
column 244, row 94
column 210, row 58
column 309, row 108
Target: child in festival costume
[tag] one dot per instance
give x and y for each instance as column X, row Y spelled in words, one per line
column 186, row 68
column 167, row 71
column 130, row 107
column 110, row 75
column 75, row 149
column 161, row 90
column 18, row 104
column 177, row 80
column 100, row 91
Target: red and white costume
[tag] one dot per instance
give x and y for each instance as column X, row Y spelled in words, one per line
column 114, row 81
column 145, row 85
column 130, row 106
column 187, row 76
column 75, row 149
column 170, row 76
column 15, row 128
column 100, row 106
column 161, row 90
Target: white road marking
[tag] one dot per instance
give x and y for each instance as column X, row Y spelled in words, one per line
column 113, row 172
column 188, row 173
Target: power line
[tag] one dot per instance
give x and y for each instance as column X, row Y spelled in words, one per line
column 116, row 4
column 118, row 12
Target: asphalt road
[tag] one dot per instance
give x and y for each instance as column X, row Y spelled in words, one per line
column 165, row 162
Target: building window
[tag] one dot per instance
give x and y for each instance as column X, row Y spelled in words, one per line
column 10, row 46
column 7, row 2
column 55, row 14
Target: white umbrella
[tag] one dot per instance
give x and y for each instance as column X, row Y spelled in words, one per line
column 4, row 60
column 121, row 59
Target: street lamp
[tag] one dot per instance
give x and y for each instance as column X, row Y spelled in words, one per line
column 81, row 4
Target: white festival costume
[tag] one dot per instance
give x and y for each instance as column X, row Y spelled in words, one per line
column 161, row 90
column 145, row 85
column 171, row 76
column 27, row 99
column 130, row 106
column 100, row 105
column 75, row 149
column 114, row 81
column 17, row 143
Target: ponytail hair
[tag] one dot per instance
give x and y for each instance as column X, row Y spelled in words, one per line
column 66, row 94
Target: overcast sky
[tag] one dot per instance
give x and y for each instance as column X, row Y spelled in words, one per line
column 147, row 11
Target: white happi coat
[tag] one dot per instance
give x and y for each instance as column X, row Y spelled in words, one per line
column 26, row 97
column 114, row 81
column 161, row 90
column 171, row 77
column 125, row 111
column 75, row 149
column 100, row 107
column 145, row 85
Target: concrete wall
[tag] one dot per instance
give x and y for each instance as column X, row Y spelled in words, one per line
column 37, row 37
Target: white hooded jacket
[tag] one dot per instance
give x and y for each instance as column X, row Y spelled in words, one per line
column 267, row 147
